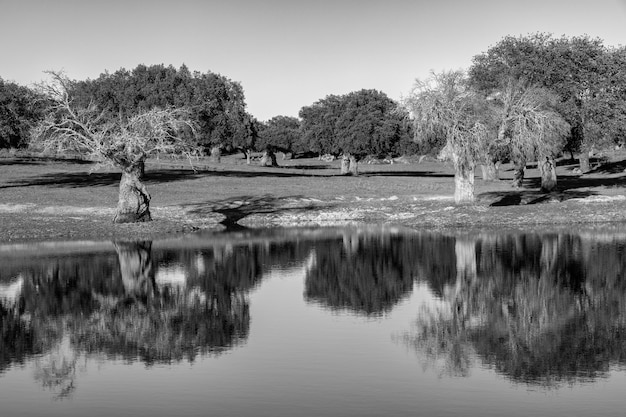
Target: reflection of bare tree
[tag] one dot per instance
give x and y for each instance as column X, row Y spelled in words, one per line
column 539, row 318
column 56, row 369
column 160, row 324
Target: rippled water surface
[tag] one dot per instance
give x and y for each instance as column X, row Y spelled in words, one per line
column 316, row 322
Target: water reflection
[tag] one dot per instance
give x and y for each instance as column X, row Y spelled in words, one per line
column 362, row 273
column 538, row 308
column 96, row 304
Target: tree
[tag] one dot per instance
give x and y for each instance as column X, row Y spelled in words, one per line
column 20, row 109
column 444, row 105
column 282, row 133
column 530, row 128
column 216, row 104
column 370, row 123
column 587, row 77
column 361, row 123
column 319, row 125
column 245, row 135
column 124, row 144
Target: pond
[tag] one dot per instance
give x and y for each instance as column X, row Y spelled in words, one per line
column 317, row 322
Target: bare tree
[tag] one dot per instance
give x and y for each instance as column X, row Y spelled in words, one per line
column 444, row 105
column 532, row 129
column 124, row 143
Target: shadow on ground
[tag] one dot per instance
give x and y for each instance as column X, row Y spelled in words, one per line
column 85, row 179
column 527, row 197
column 163, row 175
column 584, row 181
column 237, row 208
column 432, row 174
column 25, row 160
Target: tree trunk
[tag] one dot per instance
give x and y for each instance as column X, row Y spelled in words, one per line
column 583, row 160
column 248, row 154
column 518, row 173
column 354, row 166
column 464, row 184
column 269, row 159
column 134, row 200
column 491, row 170
column 216, row 154
column 135, row 260
column 547, row 167
column 345, row 164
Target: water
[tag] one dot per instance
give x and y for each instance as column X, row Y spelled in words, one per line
column 316, row 322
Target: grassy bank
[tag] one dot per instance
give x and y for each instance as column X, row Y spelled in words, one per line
column 60, row 199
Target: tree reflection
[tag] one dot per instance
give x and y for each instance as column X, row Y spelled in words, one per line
column 540, row 309
column 111, row 304
column 161, row 323
column 367, row 274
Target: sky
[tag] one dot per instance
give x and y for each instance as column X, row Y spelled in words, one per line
column 286, row 54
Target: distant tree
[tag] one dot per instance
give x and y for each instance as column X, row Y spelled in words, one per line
column 125, row 143
column 445, row 106
column 20, row 109
column 370, row 123
column 361, row 123
column 245, row 136
column 282, row 133
column 319, row 125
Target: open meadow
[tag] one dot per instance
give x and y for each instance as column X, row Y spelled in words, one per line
column 62, row 199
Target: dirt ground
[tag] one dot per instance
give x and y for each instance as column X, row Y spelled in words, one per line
column 53, row 199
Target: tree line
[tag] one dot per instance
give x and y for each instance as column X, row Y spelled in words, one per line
column 527, row 98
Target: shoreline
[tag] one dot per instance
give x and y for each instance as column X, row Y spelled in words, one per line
column 33, row 223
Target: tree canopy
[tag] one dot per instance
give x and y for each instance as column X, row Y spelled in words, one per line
column 20, row 108
column 587, row 77
column 215, row 103
column 364, row 122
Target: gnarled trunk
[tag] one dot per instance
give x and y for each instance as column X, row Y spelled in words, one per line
column 345, row 164
column 491, row 170
column 583, row 160
column 269, row 159
column 519, row 167
column 216, row 154
column 134, row 200
column 464, row 184
column 247, row 153
column 354, row 165
column 547, row 167
column 349, row 164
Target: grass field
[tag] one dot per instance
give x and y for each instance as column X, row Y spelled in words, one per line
column 52, row 198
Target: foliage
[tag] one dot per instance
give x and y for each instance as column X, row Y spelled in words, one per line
column 319, row 125
column 370, row 123
column 123, row 142
column 20, row 109
column 281, row 133
column 444, row 106
column 529, row 125
column 215, row 103
column 361, row 123
column 588, row 78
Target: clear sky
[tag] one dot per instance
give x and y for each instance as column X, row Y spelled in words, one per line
column 285, row 53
